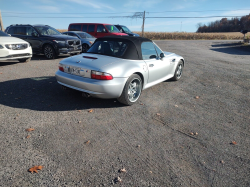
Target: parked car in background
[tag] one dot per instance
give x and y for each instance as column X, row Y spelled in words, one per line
column 125, row 29
column 14, row 48
column 96, row 29
column 86, row 39
column 119, row 67
column 45, row 39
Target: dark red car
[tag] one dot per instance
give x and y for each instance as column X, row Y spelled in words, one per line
column 97, row 30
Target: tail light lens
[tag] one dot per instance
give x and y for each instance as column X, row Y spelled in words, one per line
column 101, row 75
column 61, row 68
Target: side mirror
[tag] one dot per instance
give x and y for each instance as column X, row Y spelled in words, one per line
column 104, row 30
column 162, row 55
column 34, row 34
column 152, row 56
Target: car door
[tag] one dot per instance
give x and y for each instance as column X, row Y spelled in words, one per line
column 100, row 31
column 91, row 29
column 158, row 68
column 33, row 38
column 170, row 61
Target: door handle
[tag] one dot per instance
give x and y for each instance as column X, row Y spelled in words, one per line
column 151, row 65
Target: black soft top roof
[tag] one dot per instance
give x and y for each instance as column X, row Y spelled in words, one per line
column 133, row 51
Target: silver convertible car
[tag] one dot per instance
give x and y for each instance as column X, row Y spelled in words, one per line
column 119, row 67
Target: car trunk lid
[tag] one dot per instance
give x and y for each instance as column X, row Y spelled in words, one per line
column 83, row 64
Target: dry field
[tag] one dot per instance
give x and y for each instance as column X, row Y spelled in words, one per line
column 192, row 36
column 188, row 35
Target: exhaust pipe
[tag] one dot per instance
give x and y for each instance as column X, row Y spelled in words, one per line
column 86, row 95
column 64, row 87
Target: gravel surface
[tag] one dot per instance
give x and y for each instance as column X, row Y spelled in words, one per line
column 178, row 134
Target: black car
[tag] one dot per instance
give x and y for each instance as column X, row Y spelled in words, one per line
column 45, row 39
column 125, row 29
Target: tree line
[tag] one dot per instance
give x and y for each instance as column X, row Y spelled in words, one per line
column 226, row 25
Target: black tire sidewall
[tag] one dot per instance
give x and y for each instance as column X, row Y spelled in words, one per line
column 86, row 47
column 124, row 97
column 53, row 51
column 176, row 69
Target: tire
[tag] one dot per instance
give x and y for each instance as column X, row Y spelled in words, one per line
column 178, row 71
column 49, row 52
column 24, row 59
column 85, row 48
column 131, row 91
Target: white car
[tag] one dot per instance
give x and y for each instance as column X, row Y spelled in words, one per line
column 14, row 48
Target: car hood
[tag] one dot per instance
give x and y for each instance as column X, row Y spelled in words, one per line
column 11, row 40
column 97, row 63
column 60, row 37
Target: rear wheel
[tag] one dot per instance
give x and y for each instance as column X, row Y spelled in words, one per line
column 49, row 52
column 85, row 48
column 24, row 59
column 131, row 91
column 178, row 71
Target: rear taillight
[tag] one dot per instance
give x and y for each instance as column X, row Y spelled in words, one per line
column 101, row 75
column 61, row 68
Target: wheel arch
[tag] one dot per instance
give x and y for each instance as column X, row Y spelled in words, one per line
column 142, row 77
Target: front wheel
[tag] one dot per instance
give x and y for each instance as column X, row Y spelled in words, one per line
column 85, row 48
column 131, row 91
column 49, row 52
column 178, row 71
column 24, row 59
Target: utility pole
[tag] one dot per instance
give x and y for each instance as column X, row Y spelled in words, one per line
column 143, row 24
column 1, row 22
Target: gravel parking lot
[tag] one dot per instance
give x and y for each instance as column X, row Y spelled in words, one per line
column 152, row 139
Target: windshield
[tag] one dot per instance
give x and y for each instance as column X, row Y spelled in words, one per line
column 126, row 30
column 112, row 28
column 3, row 34
column 46, row 30
column 110, row 48
column 85, row 35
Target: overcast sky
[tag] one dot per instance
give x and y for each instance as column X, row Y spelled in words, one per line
column 60, row 13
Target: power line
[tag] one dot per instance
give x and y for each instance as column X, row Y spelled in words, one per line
column 174, row 17
column 122, row 12
column 9, row 12
column 201, row 10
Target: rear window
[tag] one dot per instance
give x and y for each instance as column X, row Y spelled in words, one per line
column 110, row 48
column 91, row 28
column 75, row 27
column 17, row 30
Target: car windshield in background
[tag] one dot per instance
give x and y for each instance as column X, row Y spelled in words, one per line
column 110, row 48
column 43, row 30
column 85, row 35
column 126, row 30
column 112, row 28
column 3, row 34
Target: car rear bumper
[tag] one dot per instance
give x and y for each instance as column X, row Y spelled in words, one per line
column 105, row 89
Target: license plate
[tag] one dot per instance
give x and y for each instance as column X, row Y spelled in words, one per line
column 77, row 71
